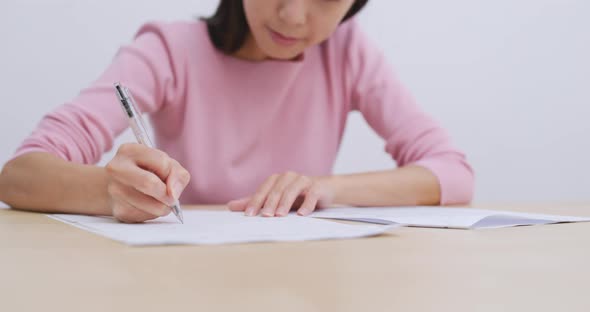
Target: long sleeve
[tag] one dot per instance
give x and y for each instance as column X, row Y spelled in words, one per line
column 411, row 136
column 82, row 129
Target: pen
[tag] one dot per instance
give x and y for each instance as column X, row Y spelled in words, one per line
column 138, row 127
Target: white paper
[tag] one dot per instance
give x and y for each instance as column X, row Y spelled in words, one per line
column 442, row 217
column 220, row 227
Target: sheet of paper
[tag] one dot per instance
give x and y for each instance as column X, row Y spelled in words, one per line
column 220, row 227
column 442, row 217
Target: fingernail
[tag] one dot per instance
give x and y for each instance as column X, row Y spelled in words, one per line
column 280, row 212
column 250, row 211
column 303, row 212
column 176, row 189
column 268, row 213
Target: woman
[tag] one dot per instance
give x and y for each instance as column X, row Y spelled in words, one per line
column 252, row 103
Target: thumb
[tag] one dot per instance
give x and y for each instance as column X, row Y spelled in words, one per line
column 177, row 181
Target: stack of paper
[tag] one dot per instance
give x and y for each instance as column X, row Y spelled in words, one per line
column 441, row 217
column 220, row 227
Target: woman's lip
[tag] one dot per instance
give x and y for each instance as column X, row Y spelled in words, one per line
column 282, row 39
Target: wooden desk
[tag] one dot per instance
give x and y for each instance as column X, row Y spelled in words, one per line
column 49, row 266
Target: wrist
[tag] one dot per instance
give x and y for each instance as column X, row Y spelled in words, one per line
column 87, row 189
column 331, row 187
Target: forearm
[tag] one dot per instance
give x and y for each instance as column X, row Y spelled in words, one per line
column 406, row 186
column 45, row 183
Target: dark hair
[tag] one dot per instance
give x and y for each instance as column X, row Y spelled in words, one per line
column 228, row 27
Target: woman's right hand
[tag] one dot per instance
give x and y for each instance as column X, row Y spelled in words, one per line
column 143, row 183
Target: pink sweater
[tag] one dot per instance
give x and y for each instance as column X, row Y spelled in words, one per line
column 232, row 123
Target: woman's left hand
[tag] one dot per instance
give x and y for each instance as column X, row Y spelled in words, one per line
column 282, row 192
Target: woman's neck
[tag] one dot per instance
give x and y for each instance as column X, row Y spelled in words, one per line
column 250, row 51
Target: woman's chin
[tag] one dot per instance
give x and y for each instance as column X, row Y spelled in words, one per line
column 285, row 55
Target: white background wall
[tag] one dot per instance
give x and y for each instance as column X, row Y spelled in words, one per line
column 510, row 79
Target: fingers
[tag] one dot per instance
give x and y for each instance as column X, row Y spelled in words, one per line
column 146, row 169
column 177, row 180
column 291, row 193
column 139, row 200
column 150, row 159
column 144, row 181
column 279, row 193
column 127, row 213
column 312, row 196
column 276, row 193
column 259, row 197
